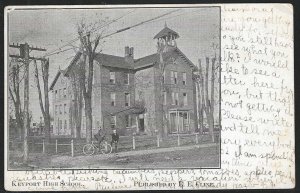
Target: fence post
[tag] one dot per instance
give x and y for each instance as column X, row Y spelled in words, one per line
column 197, row 138
column 43, row 145
column 56, row 146
column 133, row 141
column 157, row 137
column 72, row 147
column 178, row 140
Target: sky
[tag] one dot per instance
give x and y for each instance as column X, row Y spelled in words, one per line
column 198, row 28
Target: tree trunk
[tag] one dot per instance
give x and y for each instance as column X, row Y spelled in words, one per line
column 15, row 96
column 200, row 109
column 44, row 105
column 210, row 120
column 77, row 102
column 47, row 120
column 89, row 119
column 79, row 117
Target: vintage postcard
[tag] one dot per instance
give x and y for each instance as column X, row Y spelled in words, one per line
column 149, row 97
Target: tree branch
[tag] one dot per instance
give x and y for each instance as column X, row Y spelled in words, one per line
column 39, row 88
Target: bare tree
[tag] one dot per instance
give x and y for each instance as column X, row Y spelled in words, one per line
column 88, row 47
column 200, row 88
column 77, row 102
column 44, row 103
column 163, row 62
column 14, row 92
column 208, row 100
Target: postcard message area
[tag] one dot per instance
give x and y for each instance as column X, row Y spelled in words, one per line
column 257, row 112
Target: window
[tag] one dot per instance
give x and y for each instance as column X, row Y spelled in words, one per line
column 113, row 121
column 60, row 124
column 173, row 77
column 174, row 98
column 65, row 93
column 164, row 77
column 65, row 125
column 126, row 78
column 185, row 101
column 60, row 110
column 184, row 78
column 57, row 125
column 56, row 97
column 128, row 120
column 112, row 77
column 65, row 108
column 56, row 109
column 127, row 99
column 113, row 99
column 59, row 94
column 165, row 98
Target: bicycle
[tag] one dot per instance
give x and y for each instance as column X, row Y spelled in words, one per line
column 89, row 149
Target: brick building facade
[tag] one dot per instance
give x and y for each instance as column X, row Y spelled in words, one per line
column 134, row 95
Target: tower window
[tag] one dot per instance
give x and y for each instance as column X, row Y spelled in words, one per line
column 65, row 125
column 185, row 101
column 174, row 77
column 113, row 99
column 128, row 120
column 126, row 78
column 184, row 78
column 65, row 93
column 174, row 98
column 65, row 108
column 127, row 99
column 112, row 77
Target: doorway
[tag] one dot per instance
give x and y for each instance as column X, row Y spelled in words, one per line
column 141, row 125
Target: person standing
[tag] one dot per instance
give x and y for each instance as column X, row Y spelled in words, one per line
column 100, row 136
column 115, row 139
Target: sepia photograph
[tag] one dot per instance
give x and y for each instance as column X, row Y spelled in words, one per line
column 113, row 88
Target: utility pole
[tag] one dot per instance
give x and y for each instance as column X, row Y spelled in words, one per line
column 24, row 54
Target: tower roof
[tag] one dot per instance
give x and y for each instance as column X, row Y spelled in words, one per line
column 166, row 32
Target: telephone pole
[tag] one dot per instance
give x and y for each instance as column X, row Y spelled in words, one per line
column 24, row 54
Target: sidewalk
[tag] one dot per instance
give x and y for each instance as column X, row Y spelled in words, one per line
column 77, row 161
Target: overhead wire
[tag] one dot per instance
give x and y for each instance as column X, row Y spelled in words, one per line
column 123, row 29
column 100, row 27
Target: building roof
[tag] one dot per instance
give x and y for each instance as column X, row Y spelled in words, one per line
column 113, row 61
column 166, row 32
column 120, row 62
column 154, row 58
column 56, row 78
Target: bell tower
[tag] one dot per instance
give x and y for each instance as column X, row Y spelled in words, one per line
column 166, row 39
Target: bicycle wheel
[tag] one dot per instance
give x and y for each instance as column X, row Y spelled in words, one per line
column 105, row 148
column 88, row 149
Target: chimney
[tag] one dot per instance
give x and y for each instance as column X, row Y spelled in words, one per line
column 127, row 51
column 129, row 54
